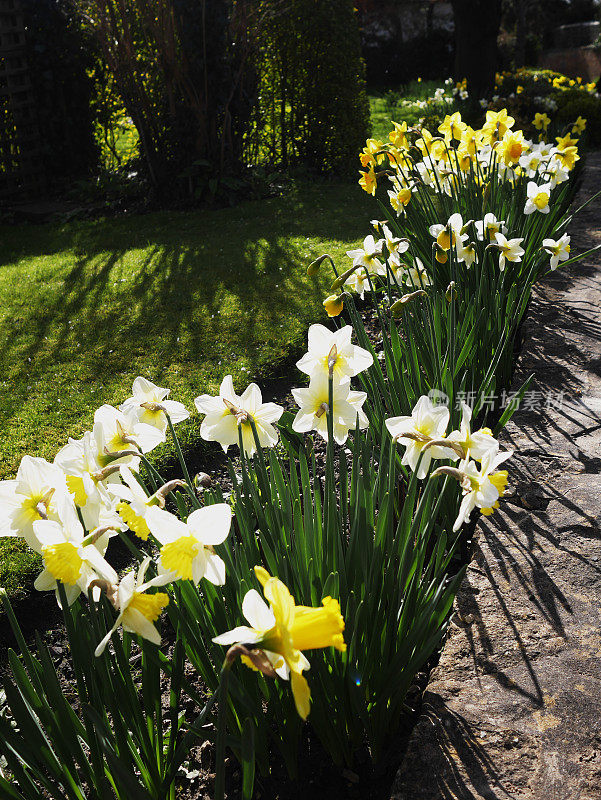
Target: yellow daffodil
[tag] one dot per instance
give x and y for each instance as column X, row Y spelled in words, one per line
column 563, row 142
column 368, row 181
column 497, row 124
column 452, row 127
column 541, row 121
column 511, row 147
column 398, row 136
column 579, row 126
column 283, row 630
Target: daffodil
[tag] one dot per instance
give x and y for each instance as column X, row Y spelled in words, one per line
column 368, row 181
column 487, row 228
column 38, row 492
column 497, row 124
column 482, row 485
column 313, row 408
column 579, row 126
column 349, row 360
column 421, row 434
column 399, row 199
column 509, row 249
column 334, row 303
column 446, row 235
column 87, row 479
column 358, row 282
column 187, row 548
column 417, row 275
column 398, row 136
column 559, row 249
column 137, row 609
column 394, row 244
column 511, row 147
column 134, row 503
column 70, row 560
column 537, row 198
column 567, row 157
column 474, row 444
column 541, row 121
column 283, row 630
column 367, row 256
column 227, row 413
column 563, row 142
column 119, row 435
column 149, row 404
column 452, row 127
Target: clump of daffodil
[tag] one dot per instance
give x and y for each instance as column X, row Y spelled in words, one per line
column 281, row 631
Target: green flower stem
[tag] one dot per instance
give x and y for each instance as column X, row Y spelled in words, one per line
column 189, row 485
column 221, row 724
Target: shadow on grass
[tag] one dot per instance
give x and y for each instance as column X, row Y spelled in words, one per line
column 181, row 297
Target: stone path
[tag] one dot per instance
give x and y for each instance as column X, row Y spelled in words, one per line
column 514, row 708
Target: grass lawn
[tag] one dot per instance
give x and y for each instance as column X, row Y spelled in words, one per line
column 180, row 297
column 398, row 106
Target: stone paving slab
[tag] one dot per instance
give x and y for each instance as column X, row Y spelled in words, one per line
column 514, row 708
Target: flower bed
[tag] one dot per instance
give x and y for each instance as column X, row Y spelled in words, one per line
column 320, row 587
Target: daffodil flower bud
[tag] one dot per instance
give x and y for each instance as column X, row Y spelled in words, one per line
column 397, row 306
column 314, row 266
column 333, row 305
column 451, row 291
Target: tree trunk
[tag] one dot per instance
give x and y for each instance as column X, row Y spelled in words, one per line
column 476, row 28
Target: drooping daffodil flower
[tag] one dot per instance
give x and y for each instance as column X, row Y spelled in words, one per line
column 283, row 630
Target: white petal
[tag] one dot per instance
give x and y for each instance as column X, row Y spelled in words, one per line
column 211, row 524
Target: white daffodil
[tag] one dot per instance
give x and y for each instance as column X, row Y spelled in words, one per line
column 359, row 282
column 87, row 478
column 137, row 609
column 134, row 504
column 68, row 559
column 149, row 403
column 38, row 492
column 398, row 268
column 187, row 547
column 487, row 228
column 477, row 444
column 531, row 163
column 393, row 243
column 559, row 249
column 227, row 412
column 537, row 198
column 422, row 434
column 349, row 361
column 118, row 433
column 482, row 486
column 417, row 275
column 313, row 408
column 446, row 235
column 557, row 173
column 367, row 256
column 466, row 251
column 509, row 249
